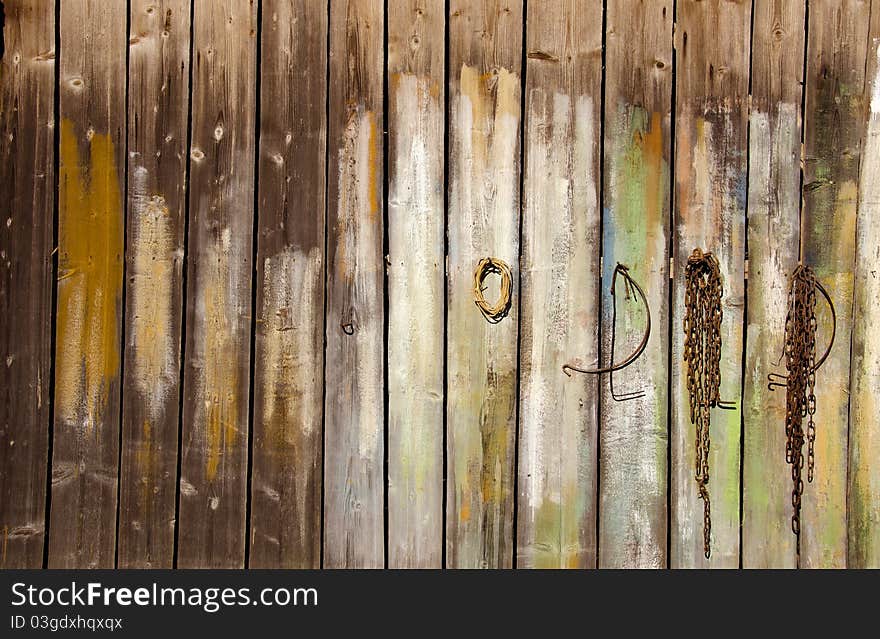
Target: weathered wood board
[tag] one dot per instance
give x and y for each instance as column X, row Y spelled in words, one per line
column 27, row 198
column 285, row 524
column 634, row 433
column 213, row 473
column 416, row 269
column 355, row 323
column 158, row 106
column 833, row 120
column 773, row 240
column 712, row 60
column 485, row 57
column 560, row 286
column 863, row 502
column 91, row 237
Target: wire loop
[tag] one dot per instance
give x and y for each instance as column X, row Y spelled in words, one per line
column 497, row 312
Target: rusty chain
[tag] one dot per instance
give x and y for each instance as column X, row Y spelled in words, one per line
column 702, row 354
column 800, row 383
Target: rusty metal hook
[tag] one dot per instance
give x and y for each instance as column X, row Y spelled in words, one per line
column 632, row 288
column 773, row 378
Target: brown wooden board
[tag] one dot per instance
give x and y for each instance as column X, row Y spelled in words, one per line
column 158, row 105
column 91, row 237
column 834, row 118
column 285, row 524
column 556, row 485
column 712, row 62
column 863, row 495
column 773, row 231
column 416, row 215
column 485, row 59
column 355, row 324
column 27, row 181
column 213, row 480
column 634, row 434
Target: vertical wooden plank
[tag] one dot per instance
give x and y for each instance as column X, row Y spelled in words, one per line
column 773, row 231
column 712, row 64
column 416, row 50
column 91, row 238
column 27, row 178
column 485, row 39
column 835, row 76
column 213, row 481
column 560, row 285
column 288, row 385
column 354, row 478
column 157, row 120
column 634, row 433
column 863, row 512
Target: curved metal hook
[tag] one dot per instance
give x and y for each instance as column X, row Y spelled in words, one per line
column 631, row 286
column 774, row 377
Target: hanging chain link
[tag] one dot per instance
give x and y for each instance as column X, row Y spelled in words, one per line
column 800, row 398
column 702, row 353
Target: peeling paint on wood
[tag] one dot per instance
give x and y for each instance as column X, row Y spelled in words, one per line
column 560, row 269
column 354, row 417
column 158, row 107
column 710, row 201
column 285, row 524
column 634, row 434
column 89, row 304
column 834, row 117
column 216, row 378
column 27, row 178
column 415, row 284
column 773, row 232
column 484, row 103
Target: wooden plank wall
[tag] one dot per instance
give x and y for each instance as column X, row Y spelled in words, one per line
column 91, row 236
column 158, row 108
column 27, row 197
column 636, row 232
column 416, row 269
column 237, row 260
column 216, row 380
column 560, row 277
column 773, row 241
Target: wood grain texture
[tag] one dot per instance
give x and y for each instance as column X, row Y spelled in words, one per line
column 485, row 40
column 213, row 481
column 773, row 231
column 560, row 286
column 27, row 178
column 835, row 76
column 634, row 434
column 354, row 418
column 863, row 503
column 91, row 238
column 416, row 216
column 712, row 64
column 157, row 133
column 285, row 524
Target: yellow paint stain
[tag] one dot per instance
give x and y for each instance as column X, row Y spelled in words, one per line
column 152, row 273
column 90, row 277
column 359, row 189
column 220, row 380
column 373, row 165
column 464, row 514
column 652, row 152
